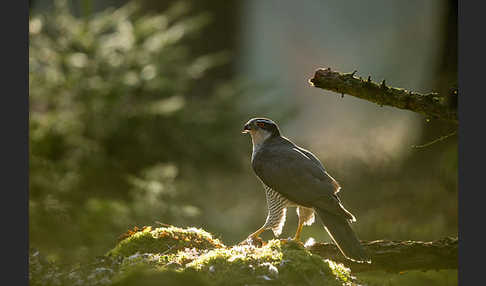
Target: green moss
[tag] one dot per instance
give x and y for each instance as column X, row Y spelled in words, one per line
column 176, row 256
column 272, row 264
column 276, row 263
column 165, row 240
column 144, row 276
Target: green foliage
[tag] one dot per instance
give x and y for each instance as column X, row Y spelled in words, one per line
column 120, row 107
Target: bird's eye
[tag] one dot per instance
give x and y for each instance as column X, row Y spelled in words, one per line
column 260, row 124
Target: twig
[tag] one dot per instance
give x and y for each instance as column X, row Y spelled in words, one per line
column 435, row 141
column 163, row 224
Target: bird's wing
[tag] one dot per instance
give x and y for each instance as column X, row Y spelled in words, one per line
column 289, row 171
column 314, row 159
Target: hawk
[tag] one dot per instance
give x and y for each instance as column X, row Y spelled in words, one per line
column 294, row 177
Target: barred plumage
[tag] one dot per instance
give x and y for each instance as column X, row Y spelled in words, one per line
column 277, row 210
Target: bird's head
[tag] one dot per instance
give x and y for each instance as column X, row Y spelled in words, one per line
column 261, row 129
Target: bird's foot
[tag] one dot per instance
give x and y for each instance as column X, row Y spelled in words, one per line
column 253, row 241
column 291, row 240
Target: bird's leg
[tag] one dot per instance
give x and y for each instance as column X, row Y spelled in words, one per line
column 296, row 238
column 254, row 237
column 257, row 233
column 306, row 217
column 299, row 230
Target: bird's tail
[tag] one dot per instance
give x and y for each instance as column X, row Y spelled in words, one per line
column 343, row 236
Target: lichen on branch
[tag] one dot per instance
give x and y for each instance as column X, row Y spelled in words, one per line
column 441, row 106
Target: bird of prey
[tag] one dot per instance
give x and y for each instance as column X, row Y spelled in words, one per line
column 293, row 177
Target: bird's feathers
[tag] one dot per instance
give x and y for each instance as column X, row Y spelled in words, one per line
column 343, row 236
column 314, row 159
column 277, row 210
column 298, row 176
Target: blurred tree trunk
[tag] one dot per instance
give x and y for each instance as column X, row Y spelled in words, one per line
column 446, row 70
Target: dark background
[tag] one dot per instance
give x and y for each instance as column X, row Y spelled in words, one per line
column 136, row 112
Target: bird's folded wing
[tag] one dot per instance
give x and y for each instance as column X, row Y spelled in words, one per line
column 293, row 174
column 314, row 159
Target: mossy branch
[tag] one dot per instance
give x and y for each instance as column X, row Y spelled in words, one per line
column 441, row 106
column 398, row 256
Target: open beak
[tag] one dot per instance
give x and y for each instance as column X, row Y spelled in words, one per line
column 246, row 129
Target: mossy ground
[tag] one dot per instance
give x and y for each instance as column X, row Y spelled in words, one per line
column 164, row 240
column 176, row 256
